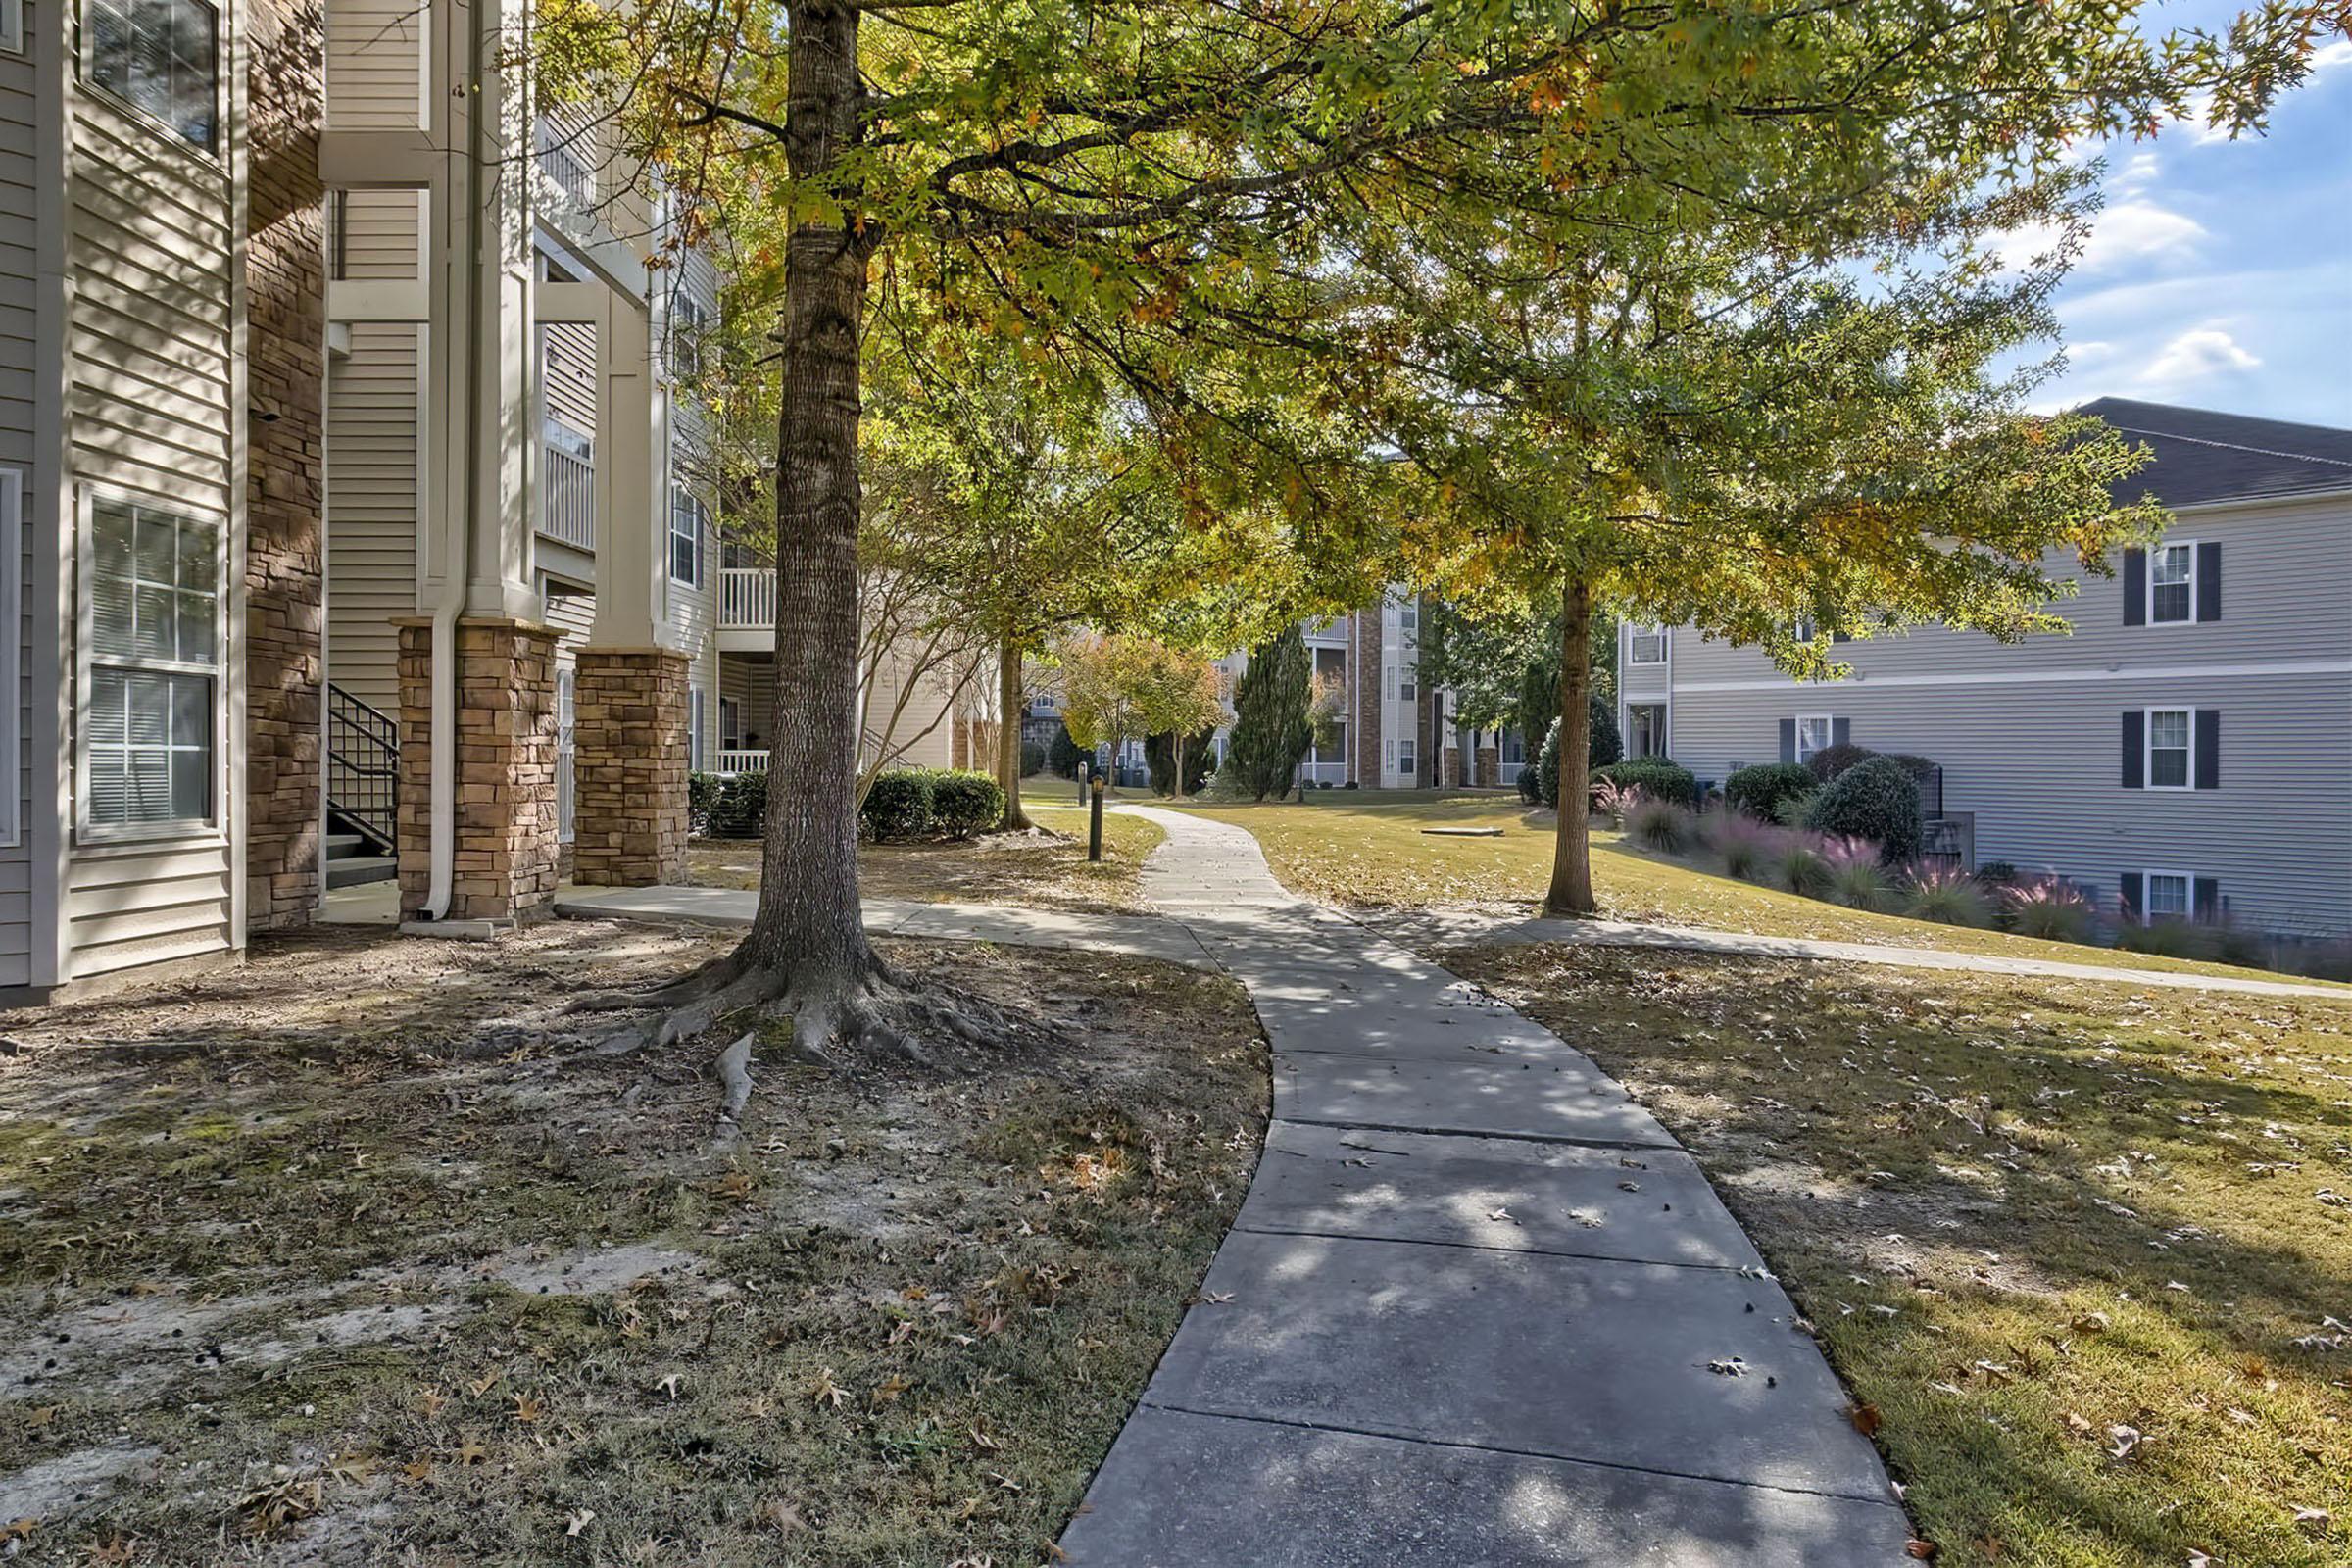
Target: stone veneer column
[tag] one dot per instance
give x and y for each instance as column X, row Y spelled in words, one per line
column 1365, row 727
column 505, row 780
column 630, row 734
column 285, row 567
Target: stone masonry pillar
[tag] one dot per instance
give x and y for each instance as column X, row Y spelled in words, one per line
column 285, row 566
column 628, row 770
column 505, row 867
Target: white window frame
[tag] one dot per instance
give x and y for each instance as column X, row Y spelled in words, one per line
column 2148, row 897
column 687, row 320
column 12, row 26
column 2147, row 749
column 1828, row 732
column 207, row 830
column 217, row 152
column 702, row 540
column 1633, row 643
column 2157, row 554
column 12, row 641
column 1407, row 760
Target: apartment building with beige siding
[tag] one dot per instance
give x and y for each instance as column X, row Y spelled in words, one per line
column 2186, row 750
column 339, row 415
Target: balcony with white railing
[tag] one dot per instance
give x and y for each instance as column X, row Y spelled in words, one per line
column 742, row 760
column 747, row 609
column 568, row 496
column 567, row 154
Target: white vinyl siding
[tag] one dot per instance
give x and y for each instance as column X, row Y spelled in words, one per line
column 375, row 53
column 379, row 234
column 153, row 413
column 12, row 659
column 371, row 418
column 20, row 210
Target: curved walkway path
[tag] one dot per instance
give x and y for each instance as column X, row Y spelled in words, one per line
column 1478, row 1306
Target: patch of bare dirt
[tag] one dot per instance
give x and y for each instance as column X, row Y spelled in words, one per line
column 352, row 1256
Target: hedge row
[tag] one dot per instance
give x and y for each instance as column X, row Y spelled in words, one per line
column 909, row 802
column 727, row 806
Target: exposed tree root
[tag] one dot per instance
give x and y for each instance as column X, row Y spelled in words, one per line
column 695, row 1006
column 734, row 1067
column 692, row 986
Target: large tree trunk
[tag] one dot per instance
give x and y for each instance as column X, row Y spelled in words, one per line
column 1009, row 735
column 808, row 923
column 1572, row 854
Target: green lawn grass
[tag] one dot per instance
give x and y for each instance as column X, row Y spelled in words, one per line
column 1369, row 852
column 2075, row 1250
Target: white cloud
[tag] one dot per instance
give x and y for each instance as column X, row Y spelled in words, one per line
column 2125, row 231
column 2082, row 356
column 2330, row 55
column 2132, row 228
column 2136, row 174
column 2195, row 355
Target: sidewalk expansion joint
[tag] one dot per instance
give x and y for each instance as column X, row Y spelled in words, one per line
column 1472, row 1132
column 1742, row 1270
column 1457, row 1444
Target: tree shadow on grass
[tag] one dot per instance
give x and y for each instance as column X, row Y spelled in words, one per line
column 2063, row 1238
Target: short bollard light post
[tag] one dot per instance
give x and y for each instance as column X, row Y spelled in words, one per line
column 1094, row 824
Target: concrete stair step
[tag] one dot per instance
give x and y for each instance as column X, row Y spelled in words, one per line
column 350, row 870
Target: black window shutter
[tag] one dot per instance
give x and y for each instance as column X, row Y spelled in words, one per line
column 1840, row 637
column 1841, row 732
column 2209, row 748
column 1788, row 740
column 2136, row 587
column 2205, row 901
column 2132, row 905
column 2135, row 748
column 2209, row 581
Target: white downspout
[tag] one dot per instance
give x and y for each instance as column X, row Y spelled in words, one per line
column 442, row 843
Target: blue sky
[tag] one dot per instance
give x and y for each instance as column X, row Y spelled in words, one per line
column 2219, row 275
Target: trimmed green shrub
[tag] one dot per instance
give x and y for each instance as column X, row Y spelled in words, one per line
column 702, row 792
column 963, row 802
column 1998, row 874
column 2171, row 938
column 1831, row 760
column 1759, row 791
column 1792, row 812
column 1604, row 745
column 1540, row 785
column 1873, row 800
column 1062, row 755
column 738, row 805
column 1658, row 777
column 897, row 806
column 1033, row 758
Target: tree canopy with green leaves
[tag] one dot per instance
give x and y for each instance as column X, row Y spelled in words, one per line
column 1231, row 213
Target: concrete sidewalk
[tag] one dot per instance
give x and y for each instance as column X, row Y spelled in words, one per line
column 1478, row 1307
column 1134, row 935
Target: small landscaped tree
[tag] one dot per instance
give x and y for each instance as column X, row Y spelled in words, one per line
column 1271, row 725
column 1173, row 693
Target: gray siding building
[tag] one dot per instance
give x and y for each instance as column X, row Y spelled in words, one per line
column 2187, row 749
